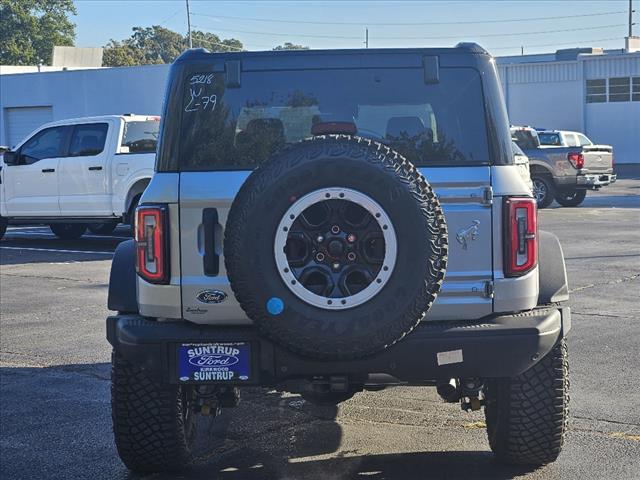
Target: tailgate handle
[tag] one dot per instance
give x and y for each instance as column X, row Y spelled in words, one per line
column 95, row 168
column 211, row 258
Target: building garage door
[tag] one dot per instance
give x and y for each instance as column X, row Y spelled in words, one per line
column 20, row 121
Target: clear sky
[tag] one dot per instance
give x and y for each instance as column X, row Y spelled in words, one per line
column 500, row 26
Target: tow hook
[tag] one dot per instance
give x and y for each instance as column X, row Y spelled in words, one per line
column 471, row 394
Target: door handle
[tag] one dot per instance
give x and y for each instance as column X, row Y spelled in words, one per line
column 211, row 259
column 48, row 170
column 95, row 168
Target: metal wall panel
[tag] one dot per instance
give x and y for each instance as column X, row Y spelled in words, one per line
column 612, row 66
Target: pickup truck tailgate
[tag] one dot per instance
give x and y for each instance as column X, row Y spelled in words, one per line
column 597, row 158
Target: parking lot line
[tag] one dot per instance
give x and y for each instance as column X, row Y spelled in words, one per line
column 57, row 250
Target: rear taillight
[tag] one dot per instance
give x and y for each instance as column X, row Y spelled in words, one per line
column 521, row 236
column 576, row 159
column 152, row 244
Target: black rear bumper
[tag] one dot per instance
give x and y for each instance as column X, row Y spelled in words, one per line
column 495, row 346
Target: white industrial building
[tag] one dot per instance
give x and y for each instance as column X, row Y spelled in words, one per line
column 589, row 90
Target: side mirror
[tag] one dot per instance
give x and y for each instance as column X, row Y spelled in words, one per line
column 10, row 158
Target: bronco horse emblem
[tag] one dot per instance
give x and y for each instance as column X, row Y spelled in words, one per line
column 465, row 235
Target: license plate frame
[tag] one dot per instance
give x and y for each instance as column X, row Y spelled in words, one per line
column 214, row 362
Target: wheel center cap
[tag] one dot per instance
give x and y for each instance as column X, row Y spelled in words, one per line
column 335, row 248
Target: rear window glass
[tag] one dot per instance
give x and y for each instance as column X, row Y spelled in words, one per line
column 140, row 137
column 550, row 139
column 525, row 139
column 237, row 128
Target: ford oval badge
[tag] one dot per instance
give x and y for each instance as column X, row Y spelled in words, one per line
column 211, row 296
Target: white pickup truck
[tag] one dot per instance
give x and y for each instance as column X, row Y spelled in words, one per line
column 79, row 173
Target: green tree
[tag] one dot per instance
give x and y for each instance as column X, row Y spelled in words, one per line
column 157, row 44
column 121, row 54
column 29, row 29
column 290, row 46
column 214, row 43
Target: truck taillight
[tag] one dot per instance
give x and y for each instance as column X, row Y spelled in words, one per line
column 521, row 236
column 152, row 244
column 576, row 159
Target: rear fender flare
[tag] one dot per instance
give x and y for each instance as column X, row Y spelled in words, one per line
column 554, row 287
column 123, row 295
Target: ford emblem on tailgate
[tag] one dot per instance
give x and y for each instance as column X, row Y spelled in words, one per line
column 211, row 296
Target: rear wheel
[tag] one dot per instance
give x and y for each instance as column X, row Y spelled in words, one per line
column 527, row 415
column 68, row 231
column 103, row 228
column 543, row 190
column 571, row 198
column 153, row 423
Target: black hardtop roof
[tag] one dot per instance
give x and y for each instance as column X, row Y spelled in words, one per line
column 197, row 55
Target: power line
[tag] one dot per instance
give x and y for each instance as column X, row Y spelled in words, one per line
column 557, row 44
column 381, row 24
column 278, row 34
column 517, row 34
column 303, row 35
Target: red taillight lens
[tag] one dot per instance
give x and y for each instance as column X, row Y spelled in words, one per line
column 521, row 236
column 152, row 244
column 576, row 159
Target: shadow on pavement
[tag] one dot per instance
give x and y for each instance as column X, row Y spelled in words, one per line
column 251, row 465
column 57, row 419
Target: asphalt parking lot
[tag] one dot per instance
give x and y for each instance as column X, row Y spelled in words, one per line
column 54, row 376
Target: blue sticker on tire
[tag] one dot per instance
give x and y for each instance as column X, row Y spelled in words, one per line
column 275, row 306
column 214, row 362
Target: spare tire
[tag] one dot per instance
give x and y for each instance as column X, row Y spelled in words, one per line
column 336, row 247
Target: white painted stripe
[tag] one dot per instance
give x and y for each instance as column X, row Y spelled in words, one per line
column 56, row 250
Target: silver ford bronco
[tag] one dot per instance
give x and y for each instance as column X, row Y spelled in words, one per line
column 328, row 222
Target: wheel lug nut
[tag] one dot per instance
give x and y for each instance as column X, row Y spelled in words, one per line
column 319, row 256
column 351, row 256
column 319, row 239
column 351, row 238
column 335, row 229
column 335, row 265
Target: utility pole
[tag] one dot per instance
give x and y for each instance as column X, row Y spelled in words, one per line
column 630, row 18
column 366, row 38
column 189, row 25
column 522, row 50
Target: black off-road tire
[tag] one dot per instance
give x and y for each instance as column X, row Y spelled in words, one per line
column 546, row 182
column 527, row 415
column 345, row 162
column 103, row 228
column 3, row 226
column 571, row 198
column 68, row 231
column 152, row 433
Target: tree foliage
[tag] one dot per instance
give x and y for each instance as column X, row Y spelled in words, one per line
column 290, row 46
column 29, row 29
column 156, row 44
column 214, row 43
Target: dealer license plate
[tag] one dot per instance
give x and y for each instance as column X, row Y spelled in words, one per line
column 214, row 362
